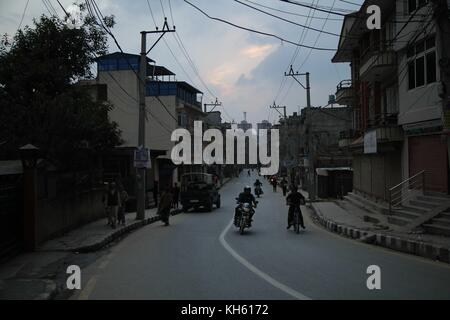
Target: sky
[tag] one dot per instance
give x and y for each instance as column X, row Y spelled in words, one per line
column 244, row 70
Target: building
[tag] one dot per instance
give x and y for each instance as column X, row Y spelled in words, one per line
column 170, row 104
column 395, row 94
column 313, row 150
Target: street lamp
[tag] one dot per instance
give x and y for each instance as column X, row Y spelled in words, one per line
column 29, row 155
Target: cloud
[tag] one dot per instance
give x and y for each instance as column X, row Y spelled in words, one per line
column 256, row 51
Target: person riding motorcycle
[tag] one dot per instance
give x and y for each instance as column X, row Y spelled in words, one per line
column 246, row 197
column 258, row 185
column 294, row 200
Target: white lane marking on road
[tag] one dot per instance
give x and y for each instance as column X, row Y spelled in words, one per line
column 258, row 272
column 84, row 295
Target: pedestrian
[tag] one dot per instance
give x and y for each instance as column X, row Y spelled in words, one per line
column 112, row 201
column 283, row 185
column 123, row 204
column 273, row 182
column 155, row 192
column 176, row 195
column 165, row 204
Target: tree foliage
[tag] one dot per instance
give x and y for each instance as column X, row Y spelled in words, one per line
column 41, row 101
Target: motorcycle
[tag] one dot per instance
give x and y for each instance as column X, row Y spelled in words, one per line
column 296, row 218
column 243, row 219
column 258, row 191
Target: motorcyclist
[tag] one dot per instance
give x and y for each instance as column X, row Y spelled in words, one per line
column 294, row 200
column 258, row 184
column 246, row 197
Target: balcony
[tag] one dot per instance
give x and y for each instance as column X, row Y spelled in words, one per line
column 386, row 125
column 344, row 93
column 377, row 65
column 383, row 120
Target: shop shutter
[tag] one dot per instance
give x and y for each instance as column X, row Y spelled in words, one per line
column 429, row 153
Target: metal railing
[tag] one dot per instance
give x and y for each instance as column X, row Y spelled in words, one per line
column 344, row 84
column 406, row 190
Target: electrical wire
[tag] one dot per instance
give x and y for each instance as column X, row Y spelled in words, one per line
column 288, row 12
column 253, row 30
column 289, row 21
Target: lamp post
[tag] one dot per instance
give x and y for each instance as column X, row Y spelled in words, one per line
column 29, row 155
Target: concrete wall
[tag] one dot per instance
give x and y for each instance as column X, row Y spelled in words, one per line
column 126, row 111
column 61, row 214
column 375, row 174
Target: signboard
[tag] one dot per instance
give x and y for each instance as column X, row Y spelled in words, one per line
column 142, row 158
column 370, row 142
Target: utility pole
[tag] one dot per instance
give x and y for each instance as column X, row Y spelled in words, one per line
column 311, row 153
column 142, row 163
column 213, row 104
column 274, row 106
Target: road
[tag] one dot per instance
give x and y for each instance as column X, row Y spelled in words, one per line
column 201, row 256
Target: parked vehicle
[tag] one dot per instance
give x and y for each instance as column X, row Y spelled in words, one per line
column 198, row 190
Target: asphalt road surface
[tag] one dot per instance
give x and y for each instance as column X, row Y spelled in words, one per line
column 202, row 256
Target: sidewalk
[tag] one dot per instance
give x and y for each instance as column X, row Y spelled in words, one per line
column 41, row 275
column 353, row 223
column 97, row 234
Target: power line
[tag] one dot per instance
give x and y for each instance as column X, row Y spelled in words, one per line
column 296, row 52
column 171, row 13
column 327, row 10
column 23, row 14
column 289, row 21
column 162, row 7
column 21, row 21
column 349, row 2
column 310, row 51
column 253, row 30
column 63, row 9
column 314, row 8
column 151, row 13
column 288, row 12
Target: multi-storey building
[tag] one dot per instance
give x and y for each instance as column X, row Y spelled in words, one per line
column 170, row 104
column 395, row 94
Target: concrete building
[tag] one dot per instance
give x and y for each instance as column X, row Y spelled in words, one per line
column 394, row 91
column 313, row 150
column 170, row 105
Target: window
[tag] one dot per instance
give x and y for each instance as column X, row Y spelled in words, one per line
column 420, row 71
column 431, row 69
column 413, row 5
column 422, row 63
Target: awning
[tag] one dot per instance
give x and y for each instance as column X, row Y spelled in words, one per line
column 325, row 171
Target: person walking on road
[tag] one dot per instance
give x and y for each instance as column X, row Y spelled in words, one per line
column 165, row 204
column 123, row 201
column 273, row 182
column 112, row 202
column 176, row 195
column 155, row 192
column 283, row 185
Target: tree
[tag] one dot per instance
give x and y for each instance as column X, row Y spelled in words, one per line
column 41, row 101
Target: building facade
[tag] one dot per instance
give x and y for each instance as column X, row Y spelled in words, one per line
column 394, row 91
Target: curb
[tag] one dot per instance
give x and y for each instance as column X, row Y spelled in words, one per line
column 117, row 234
column 417, row 248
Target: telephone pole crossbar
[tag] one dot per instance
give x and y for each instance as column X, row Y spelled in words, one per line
column 213, row 104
